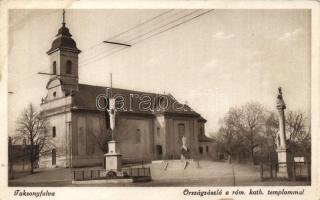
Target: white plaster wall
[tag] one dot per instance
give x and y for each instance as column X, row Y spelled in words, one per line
column 86, row 128
column 131, row 150
column 59, row 142
column 159, row 122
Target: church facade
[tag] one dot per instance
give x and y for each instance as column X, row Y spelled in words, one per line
column 149, row 126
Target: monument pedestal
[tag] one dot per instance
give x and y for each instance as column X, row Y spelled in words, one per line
column 113, row 157
column 284, row 164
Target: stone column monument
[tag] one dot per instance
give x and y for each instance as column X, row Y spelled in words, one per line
column 282, row 150
column 113, row 157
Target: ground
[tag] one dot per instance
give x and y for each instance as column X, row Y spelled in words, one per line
column 206, row 174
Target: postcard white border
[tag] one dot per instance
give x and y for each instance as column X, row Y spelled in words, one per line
column 119, row 193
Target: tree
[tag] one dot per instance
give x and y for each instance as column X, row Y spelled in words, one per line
column 296, row 125
column 32, row 127
column 299, row 133
column 228, row 139
column 252, row 118
column 243, row 125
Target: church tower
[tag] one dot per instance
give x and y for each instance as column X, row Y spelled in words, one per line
column 63, row 61
column 57, row 105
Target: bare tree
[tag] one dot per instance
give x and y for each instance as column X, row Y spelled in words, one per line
column 251, row 126
column 296, row 125
column 252, row 120
column 33, row 128
column 299, row 132
column 228, row 139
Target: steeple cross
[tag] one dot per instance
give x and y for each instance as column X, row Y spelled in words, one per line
column 63, row 17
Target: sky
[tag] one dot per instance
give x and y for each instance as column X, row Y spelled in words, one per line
column 221, row 59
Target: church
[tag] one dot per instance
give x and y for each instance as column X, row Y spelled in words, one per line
column 149, row 126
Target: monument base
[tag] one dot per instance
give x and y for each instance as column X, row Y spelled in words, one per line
column 284, row 166
column 113, row 157
column 113, row 161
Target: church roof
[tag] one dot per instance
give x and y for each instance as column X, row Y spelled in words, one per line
column 134, row 101
column 204, row 138
column 63, row 41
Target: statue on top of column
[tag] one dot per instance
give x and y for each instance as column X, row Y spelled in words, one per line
column 280, row 102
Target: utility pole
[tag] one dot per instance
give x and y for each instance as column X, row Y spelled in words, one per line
column 10, row 159
column 10, row 148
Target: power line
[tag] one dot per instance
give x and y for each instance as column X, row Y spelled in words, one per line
column 155, row 34
column 139, row 25
column 117, row 49
column 148, row 21
column 174, row 26
column 101, row 55
column 166, row 24
column 130, row 29
column 136, row 37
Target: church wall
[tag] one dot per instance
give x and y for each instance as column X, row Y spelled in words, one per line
column 175, row 141
column 61, row 57
column 134, row 136
column 176, row 127
column 208, row 151
column 206, row 148
column 60, row 142
column 170, row 140
column 54, row 87
column 64, row 57
column 87, row 130
column 159, row 137
column 196, row 132
column 55, row 57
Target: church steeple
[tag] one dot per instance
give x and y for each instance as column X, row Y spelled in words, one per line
column 63, row 40
column 64, row 59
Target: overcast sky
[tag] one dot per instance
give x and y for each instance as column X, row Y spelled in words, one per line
column 221, row 59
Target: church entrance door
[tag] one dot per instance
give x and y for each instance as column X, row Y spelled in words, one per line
column 54, row 156
column 158, row 152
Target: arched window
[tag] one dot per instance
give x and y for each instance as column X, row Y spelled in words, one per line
column 159, row 150
column 54, row 67
column 69, row 67
column 54, row 94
